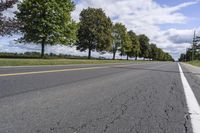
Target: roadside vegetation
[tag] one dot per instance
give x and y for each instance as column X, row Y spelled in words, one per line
column 50, row 23
column 35, row 62
column 195, row 63
column 192, row 55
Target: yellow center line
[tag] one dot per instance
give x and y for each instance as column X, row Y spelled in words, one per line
column 61, row 70
column 50, row 71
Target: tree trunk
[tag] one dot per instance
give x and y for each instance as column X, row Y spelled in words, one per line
column 127, row 57
column 114, row 53
column 135, row 57
column 42, row 50
column 89, row 53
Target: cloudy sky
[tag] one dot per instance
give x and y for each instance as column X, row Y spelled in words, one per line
column 168, row 23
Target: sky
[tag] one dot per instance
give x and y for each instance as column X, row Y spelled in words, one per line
column 168, row 23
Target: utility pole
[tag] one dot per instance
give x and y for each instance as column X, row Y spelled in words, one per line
column 185, row 57
column 193, row 47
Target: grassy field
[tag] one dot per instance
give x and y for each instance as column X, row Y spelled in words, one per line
column 195, row 63
column 34, row 62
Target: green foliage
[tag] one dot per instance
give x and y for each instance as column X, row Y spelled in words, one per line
column 182, row 57
column 190, row 53
column 144, row 45
column 126, row 46
column 46, row 22
column 121, row 40
column 153, row 51
column 135, row 45
column 49, row 22
column 195, row 63
column 35, row 62
column 94, row 31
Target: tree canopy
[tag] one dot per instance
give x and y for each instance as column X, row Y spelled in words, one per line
column 135, row 45
column 46, row 22
column 94, row 31
column 121, row 40
column 144, row 45
column 49, row 22
column 192, row 53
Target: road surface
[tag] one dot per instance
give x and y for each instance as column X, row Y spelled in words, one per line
column 121, row 98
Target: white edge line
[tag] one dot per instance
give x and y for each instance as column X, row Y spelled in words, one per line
column 192, row 103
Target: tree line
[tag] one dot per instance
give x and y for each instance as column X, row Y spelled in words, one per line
column 49, row 22
column 193, row 52
column 190, row 55
column 37, row 55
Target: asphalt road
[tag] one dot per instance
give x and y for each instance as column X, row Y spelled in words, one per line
column 120, row 98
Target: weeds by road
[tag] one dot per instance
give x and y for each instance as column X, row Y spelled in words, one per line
column 34, row 62
column 195, row 63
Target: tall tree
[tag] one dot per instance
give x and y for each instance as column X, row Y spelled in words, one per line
column 126, row 47
column 46, row 22
column 122, row 41
column 144, row 46
column 94, row 31
column 135, row 45
column 153, row 51
column 119, row 38
column 160, row 54
column 182, row 57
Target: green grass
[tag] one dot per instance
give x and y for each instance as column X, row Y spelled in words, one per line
column 35, row 62
column 195, row 63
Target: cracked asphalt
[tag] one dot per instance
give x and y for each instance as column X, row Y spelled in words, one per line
column 130, row 98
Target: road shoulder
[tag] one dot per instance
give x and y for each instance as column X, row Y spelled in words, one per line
column 193, row 69
column 192, row 74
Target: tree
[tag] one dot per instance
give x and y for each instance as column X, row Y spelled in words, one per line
column 46, row 22
column 135, row 45
column 119, row 38
column 144, row 46
column 94, row 31
column 7, row 25
column 153, row 51
column 168, row 57
column 126, row 47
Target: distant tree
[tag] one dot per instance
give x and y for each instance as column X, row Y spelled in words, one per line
column 119, row 38
column 153, row 51
column 160, row 55
column 167, row 57
column 94, row 31
column 46, row 22
column 189, row 54
column 7, row 25
column 135, row 45
column 144, row 46
column 124, row 41
column 127, row 46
